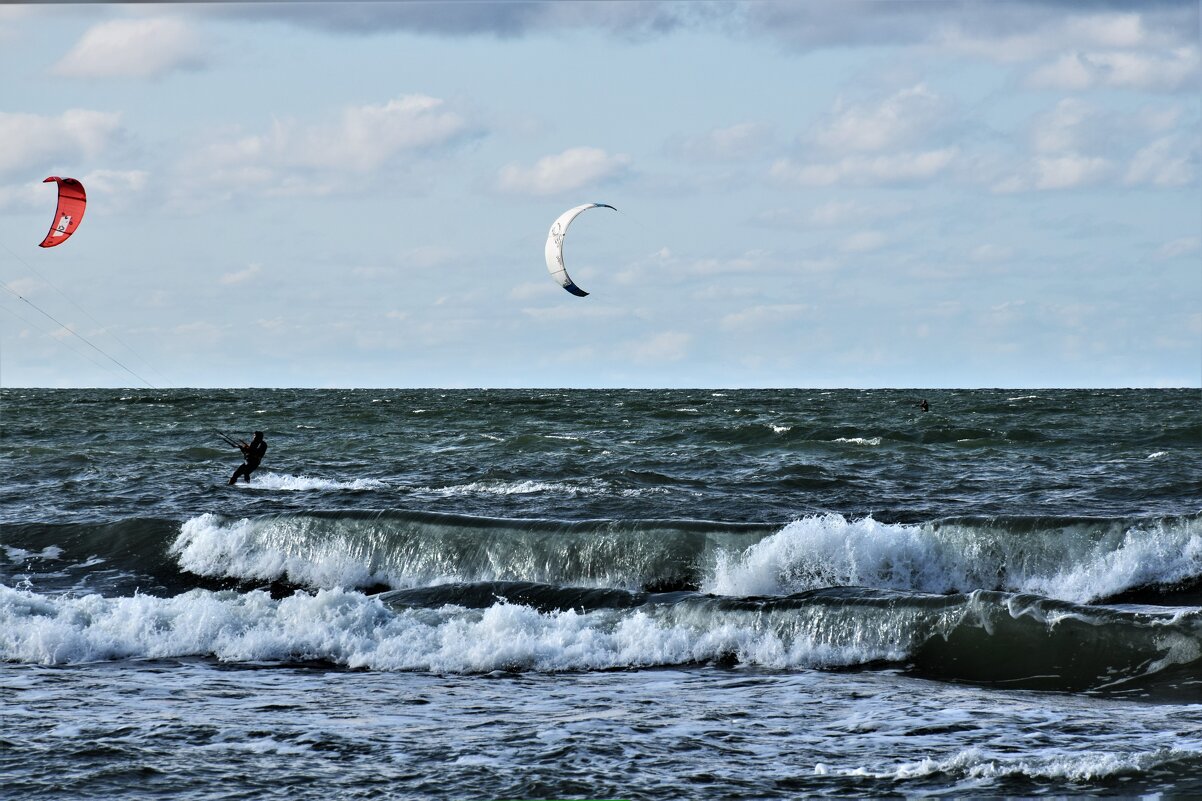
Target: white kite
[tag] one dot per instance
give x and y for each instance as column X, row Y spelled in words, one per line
column 554, row 249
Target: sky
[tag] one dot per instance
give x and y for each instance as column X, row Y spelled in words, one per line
column 809, row 194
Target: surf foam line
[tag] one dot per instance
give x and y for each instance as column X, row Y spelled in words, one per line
column 987, row 637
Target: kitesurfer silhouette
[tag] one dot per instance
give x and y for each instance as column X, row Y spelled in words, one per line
column 253, row 452
column 924, row 405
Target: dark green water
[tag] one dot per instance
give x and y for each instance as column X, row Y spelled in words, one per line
column 708, row 593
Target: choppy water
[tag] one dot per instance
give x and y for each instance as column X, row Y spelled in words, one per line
column 637, row 594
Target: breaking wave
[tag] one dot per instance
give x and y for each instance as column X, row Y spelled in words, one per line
column 1077, row 561
column 1080, row 561
column 983, row 637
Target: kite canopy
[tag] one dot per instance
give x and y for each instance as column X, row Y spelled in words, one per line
column 71, row 202
column 554, row 249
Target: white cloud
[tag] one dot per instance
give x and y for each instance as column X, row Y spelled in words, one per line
column 1168, row 161
column 1013, row 33
column 430, row 256
column 990, row 252
column 1179, row 247
column 1075, row 144
column 575, row 168
column 241, row 276
column 867, row 170
column 190, row 335
column 836, row 213
column 327, row 156
column 897, row 121
column 118, row 188
column 668, row 346
column 1069, row 171
column 833, row 214
column 842, row 212
column 574, row 312
column 33, row 140
column 749, row 261
column 1065, row 128
column 889, row 141
column 758, row 317
column 362, row 139
column 133, row 48
column 1149, row 71
column 532, row 289
column 863, row 242
column 11, row 17
column 24, row 286
column 1109, row 30
column 1158, row 119
column 743, row 141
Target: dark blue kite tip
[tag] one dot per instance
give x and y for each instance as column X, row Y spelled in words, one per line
column 604, row 206
column 575, row 290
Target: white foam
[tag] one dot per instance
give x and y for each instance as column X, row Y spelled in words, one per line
column 531, row 487
column 270, row 549
column 258, row 745
column 290, row 483
column 1076, row 563
column 1157, row 455
column 975, row 763
column 780, row 429
column 352, row 629
column 830, row 551
column 1141, row 556
column 527, row 487
column 50, row 552
column 860, row 440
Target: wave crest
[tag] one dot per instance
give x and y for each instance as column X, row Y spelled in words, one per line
column 1079, row 562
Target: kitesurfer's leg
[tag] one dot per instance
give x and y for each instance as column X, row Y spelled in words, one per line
column 241, row 471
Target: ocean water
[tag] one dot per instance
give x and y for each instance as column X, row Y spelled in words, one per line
column 474, row 594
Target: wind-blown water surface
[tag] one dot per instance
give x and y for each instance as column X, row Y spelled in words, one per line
column 639, row 594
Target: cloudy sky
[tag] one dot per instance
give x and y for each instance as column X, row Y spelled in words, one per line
column 859, row 194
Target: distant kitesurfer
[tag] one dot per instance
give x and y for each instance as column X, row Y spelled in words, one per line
column 253, row 452
column 924, row 405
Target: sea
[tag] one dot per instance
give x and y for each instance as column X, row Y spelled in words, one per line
column 637, row 594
